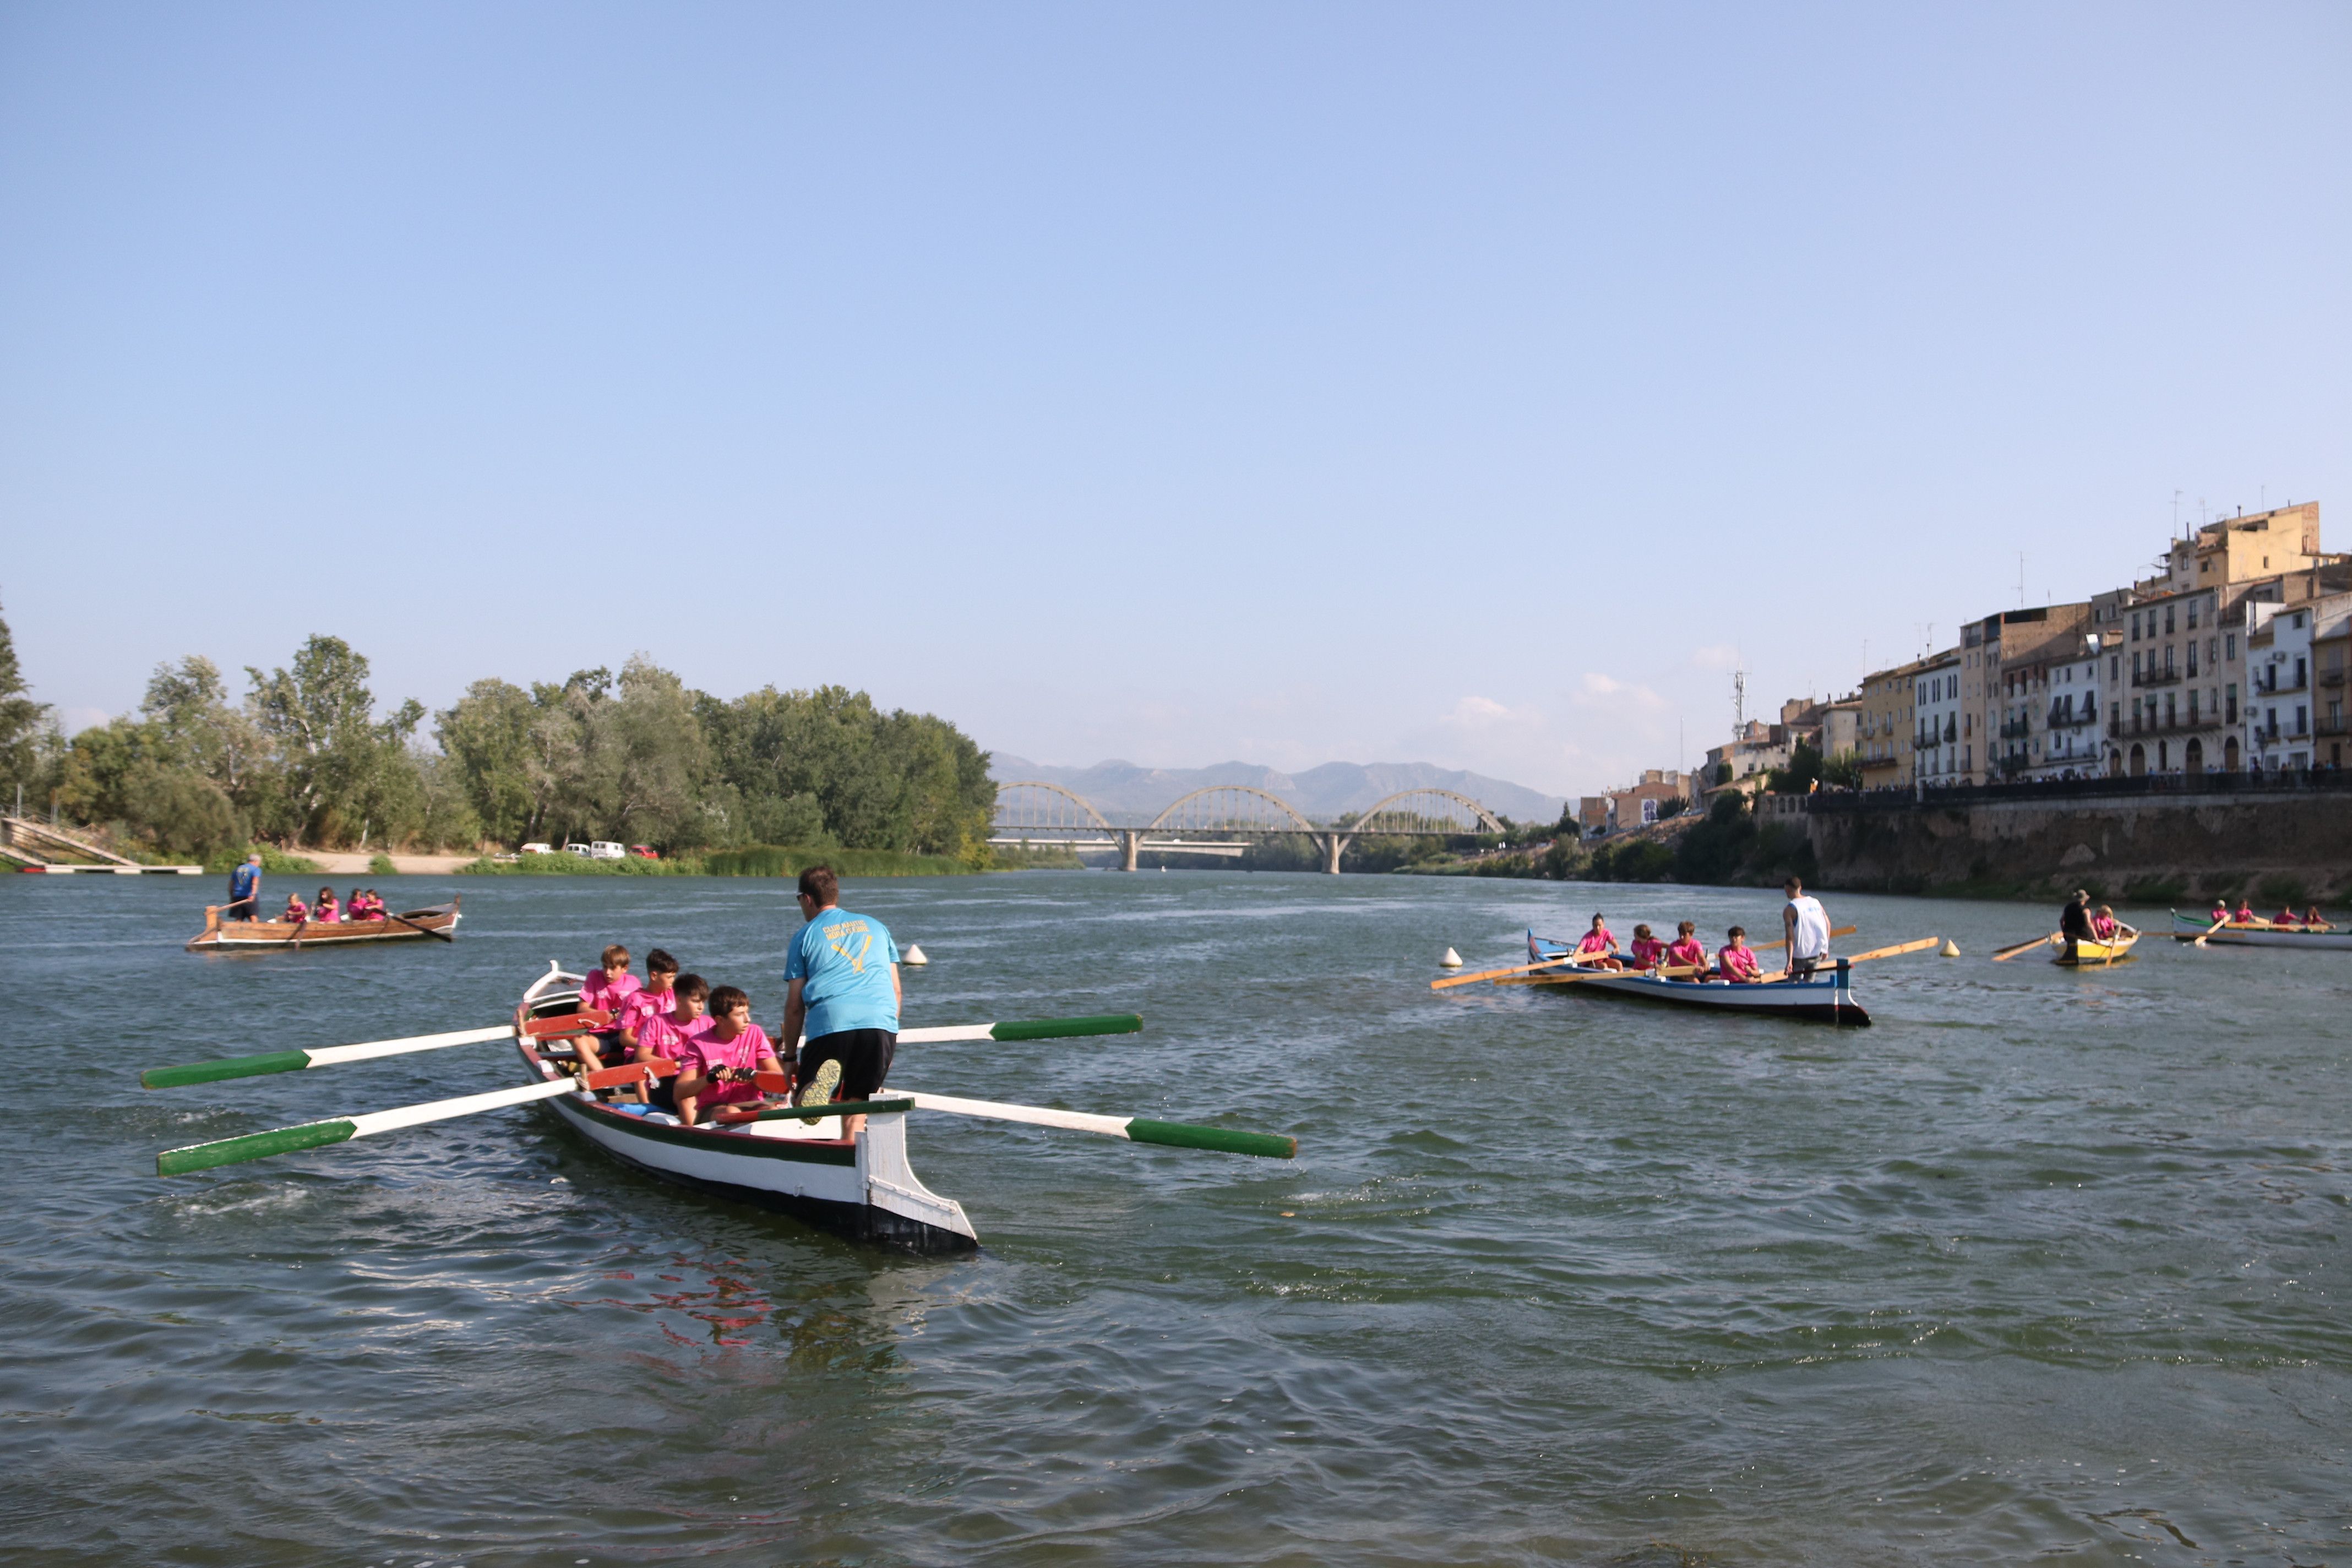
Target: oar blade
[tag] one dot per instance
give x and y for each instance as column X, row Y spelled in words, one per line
column 253, row 1146
column 1224, row 1141
column 1062, row 1028
column 226, row 1067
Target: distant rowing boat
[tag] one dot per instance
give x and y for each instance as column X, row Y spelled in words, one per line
column 1826, row 998
column 415, row 925
column 2263, row 933
column 2078, row 953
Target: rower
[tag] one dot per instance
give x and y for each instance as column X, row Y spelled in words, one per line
column 1735, row 961
column 2311, row 921
column 1805, row 928
column 2220, row 912
column 669, row 1037
column 652, row 1000
column 2245, row 915
column 723, row 1065
column 1647, row 950
column 606, row 991
column 1599, row 947
column 2104, row 925
column 1687, row 952
column 326, row 911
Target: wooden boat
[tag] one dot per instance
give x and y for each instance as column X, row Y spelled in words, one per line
column 415, row 925
column 861, row 1187
column 2078, row 955
column 2261, row 933
column 1826, row 998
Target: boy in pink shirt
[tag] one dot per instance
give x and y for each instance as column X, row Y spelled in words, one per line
column 606, row 991
column 1647, row 950
column 1687, row 951
column 669, row 1037
column 720, row 1067
column 1736, row 960
column 652, row 1000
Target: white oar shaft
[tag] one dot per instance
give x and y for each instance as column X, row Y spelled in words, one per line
column 1036, row 1115
column 367, row 1123
column 326, row 1055
column 947, row 1032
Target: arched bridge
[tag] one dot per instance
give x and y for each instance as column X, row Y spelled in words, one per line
column 1030, row 810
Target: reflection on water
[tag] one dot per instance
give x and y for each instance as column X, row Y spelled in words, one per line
column 2046, row 1263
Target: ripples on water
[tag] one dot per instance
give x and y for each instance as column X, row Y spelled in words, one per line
column 2045, row 1263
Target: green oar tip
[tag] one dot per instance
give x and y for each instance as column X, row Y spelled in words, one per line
column 227, row 1068
column 254, row 1146
column 1184, row 1135
column 1061, row 1029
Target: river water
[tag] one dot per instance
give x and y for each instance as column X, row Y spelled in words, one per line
column 2045, row 1263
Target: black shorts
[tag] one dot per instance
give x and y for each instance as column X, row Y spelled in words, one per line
column 863, row 1054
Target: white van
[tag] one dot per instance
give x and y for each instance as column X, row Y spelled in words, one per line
column 600, row 849
column 537, row 849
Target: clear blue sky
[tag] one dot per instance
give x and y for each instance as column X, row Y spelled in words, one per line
column 1288, row 383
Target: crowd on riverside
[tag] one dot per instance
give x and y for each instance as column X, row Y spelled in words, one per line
column 842, row 1000
column 1805, row 926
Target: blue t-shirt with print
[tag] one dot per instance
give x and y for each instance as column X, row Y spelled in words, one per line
column 846, row 960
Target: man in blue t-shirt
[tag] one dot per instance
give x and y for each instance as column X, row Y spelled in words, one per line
column 244, row 890
column 842, row 978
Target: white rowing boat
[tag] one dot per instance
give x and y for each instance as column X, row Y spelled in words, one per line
column 2261, row 933
column 861, row 1187
column 1826, row 996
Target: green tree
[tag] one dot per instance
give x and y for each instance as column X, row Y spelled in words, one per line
column 346, row 774
column 21, row 720
column 489, row 740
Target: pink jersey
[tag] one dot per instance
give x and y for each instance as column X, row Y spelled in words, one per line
column 607, row 995
column 1597, row 941
column 1647, row 950
column 326, row 912
column 643, row 1003
column 709, row 1053
column 1688, row 950
column 297, row 911
column 661, row 1035
column 1736, row 962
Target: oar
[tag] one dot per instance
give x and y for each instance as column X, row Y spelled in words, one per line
column 412, row 925
column 328, row 1055
column 1895, row 952
column 2006, row 953
column 1136, row 1128
column 2217, row 925
column 1577, row 958
column 1670, row 972
column 368, row 1123
column 1029, row 1029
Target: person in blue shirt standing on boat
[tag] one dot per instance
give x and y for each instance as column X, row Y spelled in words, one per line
column 841, row 975
column 1807, row 926
column 244, row 890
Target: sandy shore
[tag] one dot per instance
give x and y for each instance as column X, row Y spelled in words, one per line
column 331, row 863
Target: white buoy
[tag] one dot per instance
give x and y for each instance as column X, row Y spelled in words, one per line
column 913, row 956
column 1452, row 959
column 1950, row 950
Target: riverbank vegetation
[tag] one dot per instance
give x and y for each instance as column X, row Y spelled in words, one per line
column 307, row 757
column 750, row 860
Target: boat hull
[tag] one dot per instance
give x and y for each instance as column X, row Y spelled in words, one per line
column 861, row 1188
column 2188, row 930
column 2078, row 955
column 1825, row 997
column 414, row 925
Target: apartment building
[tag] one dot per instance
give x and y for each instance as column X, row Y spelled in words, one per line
column 1884, row 714
column 2283, row 680
column 1662, row 792
column 2005, row 666
column 1936, row 701
column 2331, row 658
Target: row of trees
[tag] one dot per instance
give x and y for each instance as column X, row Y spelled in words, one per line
column 304, row 757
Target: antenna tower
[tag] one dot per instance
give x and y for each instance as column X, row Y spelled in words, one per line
column 1739, row 702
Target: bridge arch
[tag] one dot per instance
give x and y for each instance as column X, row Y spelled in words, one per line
column 1243, row 810
column 1044, row 807
column 1368, row 821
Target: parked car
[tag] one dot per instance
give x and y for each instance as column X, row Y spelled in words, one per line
column 537, row 849
column 643, row 852
column 602, row 849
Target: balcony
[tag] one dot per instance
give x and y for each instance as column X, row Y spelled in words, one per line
column 2329, row 727
column 2332, row 678
column 2157, row 677
column 2016, row 729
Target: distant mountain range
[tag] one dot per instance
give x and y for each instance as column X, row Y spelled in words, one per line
column 1123, row 790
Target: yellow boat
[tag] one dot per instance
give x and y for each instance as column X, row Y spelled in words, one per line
column 2092, row 955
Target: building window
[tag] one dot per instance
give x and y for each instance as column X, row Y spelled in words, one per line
column 2230, row 703
column 2168, row 620
column 2192, row 661
column 2230, row 648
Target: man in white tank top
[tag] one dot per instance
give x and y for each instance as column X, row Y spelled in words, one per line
column 1807, row 926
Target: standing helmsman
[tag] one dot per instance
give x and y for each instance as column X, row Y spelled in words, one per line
column 244, row 890
column 1807, row 926
column 842, row 970
column 2075, row 921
